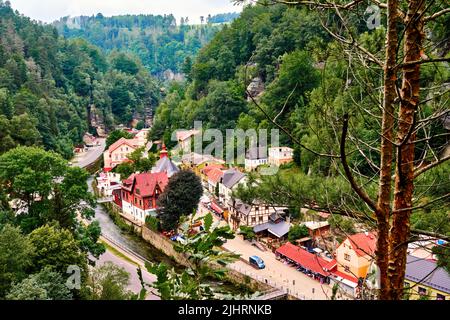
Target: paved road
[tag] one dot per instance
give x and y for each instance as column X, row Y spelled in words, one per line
column 276, row 273
column 85, row 159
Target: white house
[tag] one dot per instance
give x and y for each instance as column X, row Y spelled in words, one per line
column 184, row 138
column 254, row 157
column 107, row 182
column 280, row 155
column 230, row 180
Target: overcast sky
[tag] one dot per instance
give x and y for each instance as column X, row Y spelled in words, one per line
column 50, row 10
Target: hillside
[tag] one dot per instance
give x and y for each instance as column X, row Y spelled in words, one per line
column 159, row 41
column 48, row 85
column 284, row 60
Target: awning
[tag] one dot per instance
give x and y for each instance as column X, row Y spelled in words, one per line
column 216, row 208
column 304, row 258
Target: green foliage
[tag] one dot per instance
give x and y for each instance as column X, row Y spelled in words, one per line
column 107, row 282
column 297, row 232
column 202, row 250
column 57, row 248
column 341, row 223
column 48, row 86
column 46, row 186
column 45, row 285
column 152, row 223
column 155, row 39
column 247, row 232
column 443, row 254
column 16, row 254
column 180, row 197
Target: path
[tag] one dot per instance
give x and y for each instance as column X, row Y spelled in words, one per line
column 85, row 159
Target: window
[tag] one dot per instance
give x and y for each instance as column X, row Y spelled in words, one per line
column 440, row 297
column 261, row 219
column 253, row 219
column 347, row 269
column 422, row 291
column 347, row 257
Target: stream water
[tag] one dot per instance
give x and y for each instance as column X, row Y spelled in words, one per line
column 136, row 244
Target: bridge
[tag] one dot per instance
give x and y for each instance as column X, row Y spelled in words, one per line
column 273, row 295
column 105, row 200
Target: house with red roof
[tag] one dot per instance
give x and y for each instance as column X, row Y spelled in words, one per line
column 214, row 175
column 355, row 254
column 140, row 192
column 118, row 152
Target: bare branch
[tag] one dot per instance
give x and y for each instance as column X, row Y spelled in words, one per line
column 437, row 14
column 361, row 193
column 424, row 205
column 413, row 63
column 419, row 171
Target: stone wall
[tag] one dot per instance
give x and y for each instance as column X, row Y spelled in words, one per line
column 166, row 246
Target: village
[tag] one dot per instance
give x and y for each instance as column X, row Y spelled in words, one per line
column 311, row 265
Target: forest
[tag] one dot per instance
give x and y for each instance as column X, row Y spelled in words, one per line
column 159, row 41
column 48, row 83
column 305, row 82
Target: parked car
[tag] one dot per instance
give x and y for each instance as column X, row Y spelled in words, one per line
column 257, row 262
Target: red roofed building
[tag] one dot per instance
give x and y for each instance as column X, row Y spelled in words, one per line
column 118, row 152
column 140, row 193
column 214, row 175
column 309, row 261
column 354, row 254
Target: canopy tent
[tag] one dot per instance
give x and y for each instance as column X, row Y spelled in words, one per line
column 304, row 258
column 216, row 208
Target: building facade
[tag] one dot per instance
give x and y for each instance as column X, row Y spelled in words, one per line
column 255, row 157
column 354, row 254
column 230, row 180
column 280, row 155
column 140, row 193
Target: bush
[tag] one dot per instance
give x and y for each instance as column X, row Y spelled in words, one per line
column 152, row 223
column 297, row 232
column 247, row 232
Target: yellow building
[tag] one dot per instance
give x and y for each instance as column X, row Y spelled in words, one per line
column 354, row 255
column 422, row 279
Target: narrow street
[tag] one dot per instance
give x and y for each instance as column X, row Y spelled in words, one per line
column 276, row 273
column 85, row 159
column 131, row 268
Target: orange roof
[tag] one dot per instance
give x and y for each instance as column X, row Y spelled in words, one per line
column 214, row 175
column 211, row 166
column 363, row 244
column 130, row 142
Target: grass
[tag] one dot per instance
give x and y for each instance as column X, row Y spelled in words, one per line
column 118, row 253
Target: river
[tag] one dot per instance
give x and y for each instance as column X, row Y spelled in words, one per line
column 137, row 245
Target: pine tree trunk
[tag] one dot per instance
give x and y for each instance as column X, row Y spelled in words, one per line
column 404, row 175
column 384, row 194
